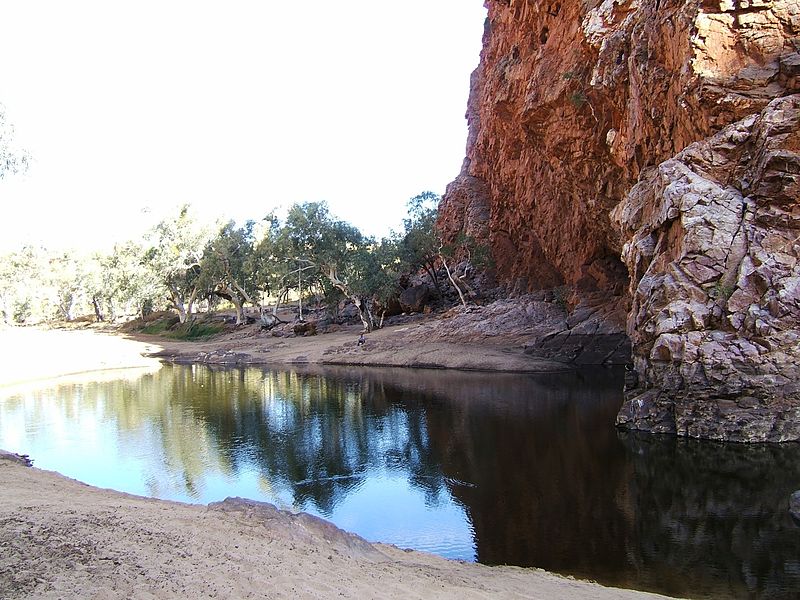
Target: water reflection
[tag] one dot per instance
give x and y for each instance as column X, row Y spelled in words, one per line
column 502, row 468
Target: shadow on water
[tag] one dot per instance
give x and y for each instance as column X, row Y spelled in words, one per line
column 501, row 468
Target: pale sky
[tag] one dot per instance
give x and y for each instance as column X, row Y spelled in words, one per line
column 129, row 109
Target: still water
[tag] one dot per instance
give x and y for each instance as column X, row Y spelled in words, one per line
column 503, row 469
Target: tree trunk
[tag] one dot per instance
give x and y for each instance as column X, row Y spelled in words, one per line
column 98, row 314
column 177, row 303
column 231, row 296
column 239, row 309
column 453, row 281
column 190, row 302
column 362, row 313
column 431, row 270
column 280, row 300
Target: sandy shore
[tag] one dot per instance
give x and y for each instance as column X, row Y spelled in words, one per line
column 63, row 539
column 29, row 354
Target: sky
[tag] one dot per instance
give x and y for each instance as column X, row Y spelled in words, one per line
column 131, row 109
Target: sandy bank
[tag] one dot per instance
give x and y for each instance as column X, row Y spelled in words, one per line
column 416, row 344
column 28, row 354
column 64, row 539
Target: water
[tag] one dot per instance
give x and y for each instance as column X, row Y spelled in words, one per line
column 503, row 469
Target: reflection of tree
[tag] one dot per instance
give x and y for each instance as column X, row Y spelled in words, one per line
column 144, row 413
column 314, row 435
column 534, row 460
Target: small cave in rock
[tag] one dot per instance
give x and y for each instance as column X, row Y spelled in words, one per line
column 544, row 35
column 606, row 273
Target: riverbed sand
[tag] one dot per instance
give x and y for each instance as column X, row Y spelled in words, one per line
column 63, row 539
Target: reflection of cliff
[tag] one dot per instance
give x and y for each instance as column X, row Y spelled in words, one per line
column 707, row 508
column 547, row 482
column 555, row 436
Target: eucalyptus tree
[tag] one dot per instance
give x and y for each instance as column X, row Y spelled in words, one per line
column 174, row 257
column 65, row 279
column 420, row 246
column 94, row 281
column 227, row 268
column 23, row 291
column 130, row 286
column 338, row 252
column 270, row 266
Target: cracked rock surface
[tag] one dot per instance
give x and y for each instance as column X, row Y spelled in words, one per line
column 713, row 247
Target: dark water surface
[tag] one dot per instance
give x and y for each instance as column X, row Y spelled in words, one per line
column 503, row 469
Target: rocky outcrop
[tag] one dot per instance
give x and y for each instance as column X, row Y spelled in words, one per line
column 413, row 299
column 714, row 242
column 644, row 152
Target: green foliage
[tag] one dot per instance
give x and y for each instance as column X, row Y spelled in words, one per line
column 129, row 285
column 21, row 311
column 180, row 262
column 722, row 291
column 419, row 247
column 227, row 266
column 578, row 98
column 479, row 255
column 158, row 327
column 335, row 255
column 561, row 296
column 174, row 255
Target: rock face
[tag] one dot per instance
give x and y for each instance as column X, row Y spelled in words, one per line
column 714, row 241
column 645, row 152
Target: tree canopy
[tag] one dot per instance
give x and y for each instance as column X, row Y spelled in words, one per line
column 181, row 264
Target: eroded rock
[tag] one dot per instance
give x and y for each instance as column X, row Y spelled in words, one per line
column 413, row 299
column 712, row 248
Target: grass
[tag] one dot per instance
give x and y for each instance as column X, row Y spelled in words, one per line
column 196, row 331
column 169, row 327
column 158, row 327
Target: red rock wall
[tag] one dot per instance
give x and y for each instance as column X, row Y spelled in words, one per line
column 573, row 99
column 680, row 118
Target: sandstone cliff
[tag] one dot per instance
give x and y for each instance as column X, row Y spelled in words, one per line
column 644, row 153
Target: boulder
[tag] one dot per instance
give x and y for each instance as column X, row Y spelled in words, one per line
column 305, row 328
column 414, row 298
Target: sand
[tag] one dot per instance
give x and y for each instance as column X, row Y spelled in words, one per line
column 62, row 539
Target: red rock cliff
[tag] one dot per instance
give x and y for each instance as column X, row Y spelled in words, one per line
column 574, row 112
